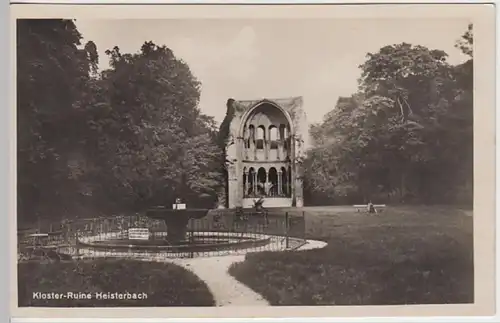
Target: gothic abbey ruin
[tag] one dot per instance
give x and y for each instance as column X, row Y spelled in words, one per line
column 265, row 146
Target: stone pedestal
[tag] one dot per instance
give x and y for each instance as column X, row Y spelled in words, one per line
column 176, row 221
column 177, row 229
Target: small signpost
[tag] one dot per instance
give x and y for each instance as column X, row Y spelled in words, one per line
column 138, row 234
column 178, row 205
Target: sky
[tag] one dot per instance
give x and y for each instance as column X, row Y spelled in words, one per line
column 274, row 58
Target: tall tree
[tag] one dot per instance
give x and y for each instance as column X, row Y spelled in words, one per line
column 92, row 142
column 463, row 119
column 52, row 75
column 164, row 147
column 406, row 134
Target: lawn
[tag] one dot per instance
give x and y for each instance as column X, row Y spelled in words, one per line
column 405, row 255
column 164, row 284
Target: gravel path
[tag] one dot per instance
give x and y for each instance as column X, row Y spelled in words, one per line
column 227, row 290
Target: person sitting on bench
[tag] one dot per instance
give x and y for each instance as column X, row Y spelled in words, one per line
column 371, row 208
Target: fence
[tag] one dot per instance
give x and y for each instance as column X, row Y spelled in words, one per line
column 221, row 232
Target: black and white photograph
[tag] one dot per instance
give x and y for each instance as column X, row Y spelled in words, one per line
column 248, row 162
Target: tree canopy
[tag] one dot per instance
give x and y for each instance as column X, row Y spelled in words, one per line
column 405, row 136
column 93, row 141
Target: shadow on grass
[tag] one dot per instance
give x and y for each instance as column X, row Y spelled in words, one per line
column 402, row 256
column 163, row 284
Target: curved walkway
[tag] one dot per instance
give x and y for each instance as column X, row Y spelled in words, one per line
column 226, row 289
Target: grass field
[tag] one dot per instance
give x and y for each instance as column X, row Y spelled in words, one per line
column 163, row 284
column 405, row 255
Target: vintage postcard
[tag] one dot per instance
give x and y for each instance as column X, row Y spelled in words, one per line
column 253, row 160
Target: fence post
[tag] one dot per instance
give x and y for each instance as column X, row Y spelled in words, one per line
column 287, row 223
column 77, row 245
column 304, row 226
column 191, row 240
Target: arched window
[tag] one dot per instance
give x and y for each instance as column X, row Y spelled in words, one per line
column 261, row 137
column 251, row 135
column 282, row 132
column 250, row 189
column 284, row 135
column 261, row 181
column 273, row 136
column 245, row 185
column 284, row 181
column 273, row 182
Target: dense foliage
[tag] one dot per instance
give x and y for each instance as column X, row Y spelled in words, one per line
column 405, row 136
column 122, row 139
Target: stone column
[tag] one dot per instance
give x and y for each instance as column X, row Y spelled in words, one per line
column 267, row 182
column 280, row 189
column 289, row 182
column 249, row 182
column 245, row 183
column 266, row 147
column 254, row 183
column 267, row 142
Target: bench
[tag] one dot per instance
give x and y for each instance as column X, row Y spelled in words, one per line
column 360, row 207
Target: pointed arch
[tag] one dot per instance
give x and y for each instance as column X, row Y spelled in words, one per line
column 249, row 112
column 261, row 181
column 250, row 189
column 273, row 182
column 284, row 181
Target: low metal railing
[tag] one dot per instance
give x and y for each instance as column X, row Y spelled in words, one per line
column 220, row 232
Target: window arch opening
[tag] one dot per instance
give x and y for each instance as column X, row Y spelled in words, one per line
column 273, row 137
column 261, row 137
